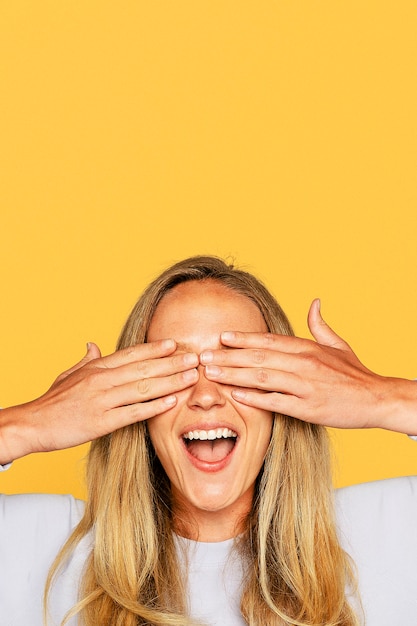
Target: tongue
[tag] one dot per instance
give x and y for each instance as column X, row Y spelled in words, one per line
column 211, row 451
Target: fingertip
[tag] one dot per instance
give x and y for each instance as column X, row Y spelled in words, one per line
column 93, row 351
column 170, row 400
column 168, row 344
column 239, row 394
column 321, row 330
column 315, row 306
column 314, row 313
column 227, row 335
column 315, row 321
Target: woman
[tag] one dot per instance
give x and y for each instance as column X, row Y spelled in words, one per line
column 294, row 567
column 206, row 470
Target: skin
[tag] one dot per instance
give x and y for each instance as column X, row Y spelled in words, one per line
column 319, row 381
column 97, row 396
column 211, row 500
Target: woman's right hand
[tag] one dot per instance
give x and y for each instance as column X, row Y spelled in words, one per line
column 97, row 396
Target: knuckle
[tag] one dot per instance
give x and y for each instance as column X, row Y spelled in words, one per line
column 143, row 386
column 94, row 378
column 275, row 399
column 258, row 356
column 311, row 359
column 262, row 376
column 129, row 352
column 175, row 361
column 125, row 354
column 143, row 369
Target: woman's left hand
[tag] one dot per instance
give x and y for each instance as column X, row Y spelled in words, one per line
column 319, row 381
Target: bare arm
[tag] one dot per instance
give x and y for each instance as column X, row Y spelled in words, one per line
column 319, row 381
column 95, row 397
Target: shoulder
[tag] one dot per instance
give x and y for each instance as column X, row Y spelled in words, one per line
column 384, row 498
column 36, row 525
column 377, row 524
column 380, row 512
column 54, row 511
column 33, row 528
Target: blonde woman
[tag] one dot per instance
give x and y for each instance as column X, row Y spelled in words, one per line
column 205, row 505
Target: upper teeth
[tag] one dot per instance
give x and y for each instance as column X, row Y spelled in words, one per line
column 216, row 433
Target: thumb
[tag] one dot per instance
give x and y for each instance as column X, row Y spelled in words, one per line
column 321, row 331
column 93, row 352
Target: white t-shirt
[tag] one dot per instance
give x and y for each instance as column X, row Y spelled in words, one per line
column 377, row 525
column 214, row 574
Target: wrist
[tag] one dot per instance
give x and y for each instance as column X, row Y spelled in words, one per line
column 15, row 440
column 399, row 406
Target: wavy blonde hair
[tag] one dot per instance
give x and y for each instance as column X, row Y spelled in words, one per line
column 296, row 572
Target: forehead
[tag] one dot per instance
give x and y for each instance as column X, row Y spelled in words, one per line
column 196, row 312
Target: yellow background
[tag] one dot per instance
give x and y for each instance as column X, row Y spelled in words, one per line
column 135, row 133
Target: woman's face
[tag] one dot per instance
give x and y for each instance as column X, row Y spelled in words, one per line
column 211, row 447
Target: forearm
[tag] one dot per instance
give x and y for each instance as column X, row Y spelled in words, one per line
column 15, row 439
column 397, row 408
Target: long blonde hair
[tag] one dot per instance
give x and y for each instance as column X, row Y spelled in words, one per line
column 296, row 574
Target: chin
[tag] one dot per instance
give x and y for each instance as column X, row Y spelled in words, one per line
column 217, row 499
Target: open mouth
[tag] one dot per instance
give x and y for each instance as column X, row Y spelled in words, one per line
column 210, row 446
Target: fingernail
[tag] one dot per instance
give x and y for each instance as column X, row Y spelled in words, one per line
column 213, row 370
column 190, row 375
column 168, row 343
column 228, row 335
column 239, row 394
column 190, row 359
column 170, row 400
column 206, row 356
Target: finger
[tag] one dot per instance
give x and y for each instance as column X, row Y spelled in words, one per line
column 274, row 402
column 150, row 368
column 321, row 331
column 251, row 357
column 138, row 352
column 255, row 378
column 126, row 415
column 269, row 341
column 147, row 389
column 93, row 352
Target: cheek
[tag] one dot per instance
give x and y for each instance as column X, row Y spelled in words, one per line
column 262, row 438
column 259, row 424
column 265, row 440
column 159, row 429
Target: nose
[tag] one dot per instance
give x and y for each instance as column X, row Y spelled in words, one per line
column 205, row 394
